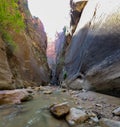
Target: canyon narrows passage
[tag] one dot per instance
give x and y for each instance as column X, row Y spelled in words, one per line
column 67, row 79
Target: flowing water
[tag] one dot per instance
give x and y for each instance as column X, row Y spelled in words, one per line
column 34, row 113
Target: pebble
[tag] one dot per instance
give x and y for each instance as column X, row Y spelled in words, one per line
column 47, row 92
column 116, row 112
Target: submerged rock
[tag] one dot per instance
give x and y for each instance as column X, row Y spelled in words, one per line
column 60, row 110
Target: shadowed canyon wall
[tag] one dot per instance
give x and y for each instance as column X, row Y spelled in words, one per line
column 93, row 53
column 23, row 60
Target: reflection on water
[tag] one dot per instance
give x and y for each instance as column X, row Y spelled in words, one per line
column 34, row 113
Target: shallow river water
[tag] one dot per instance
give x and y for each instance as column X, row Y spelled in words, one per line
column 34, row 113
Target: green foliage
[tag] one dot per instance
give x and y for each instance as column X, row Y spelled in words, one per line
column 10, row 16
column 10, row 19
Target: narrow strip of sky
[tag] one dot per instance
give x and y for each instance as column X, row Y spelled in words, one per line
column 53, row 13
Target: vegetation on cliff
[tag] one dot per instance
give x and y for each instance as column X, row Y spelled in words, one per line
column 10, row 18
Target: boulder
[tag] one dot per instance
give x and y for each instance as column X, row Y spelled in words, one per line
column 60, row 110
column 14, row 96
column 76, row 116
column 76, row 84
column 95, row 49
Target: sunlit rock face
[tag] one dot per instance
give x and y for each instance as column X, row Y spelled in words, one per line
column 5, row 72
column 95, row 46
column 76, row 9
column 41, row 35
column 27, row 64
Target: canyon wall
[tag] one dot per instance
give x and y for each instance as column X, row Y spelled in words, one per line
column 93, row 53
column 23, row 59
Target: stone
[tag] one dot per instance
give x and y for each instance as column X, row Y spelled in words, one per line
column 109, row 123
column 14, row 96
column 116, row 112
column 37, row 89
column 76, row 116
column 76, row 84
column 60, row 110
column 98, row 105
column 47, row 92
column 63, row 90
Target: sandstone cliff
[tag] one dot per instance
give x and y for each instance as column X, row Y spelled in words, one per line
column 94, row 50
column 23, row 63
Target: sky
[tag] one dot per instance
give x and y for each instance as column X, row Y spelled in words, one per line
column 54, row 14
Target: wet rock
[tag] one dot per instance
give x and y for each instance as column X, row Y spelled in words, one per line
column 94, row 119
column 116, row 112
column 42, row 88
column 76, row 116
column 37, row 89
column 63, row 90
column 60, row 110
column 47, row 92
column 109, row 123
column 14, row 96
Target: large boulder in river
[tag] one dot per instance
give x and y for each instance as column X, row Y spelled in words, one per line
column 95, row 46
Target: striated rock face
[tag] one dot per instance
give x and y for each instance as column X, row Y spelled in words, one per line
column 26, row 65
column 55, row 51
column 95, row 46
column 5, row 72
column 77, row 7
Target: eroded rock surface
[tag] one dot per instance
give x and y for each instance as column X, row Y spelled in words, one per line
column 25, row 65
column 95, row 49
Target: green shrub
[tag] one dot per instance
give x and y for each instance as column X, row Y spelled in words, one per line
column 10, row 16
column 10, row 19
